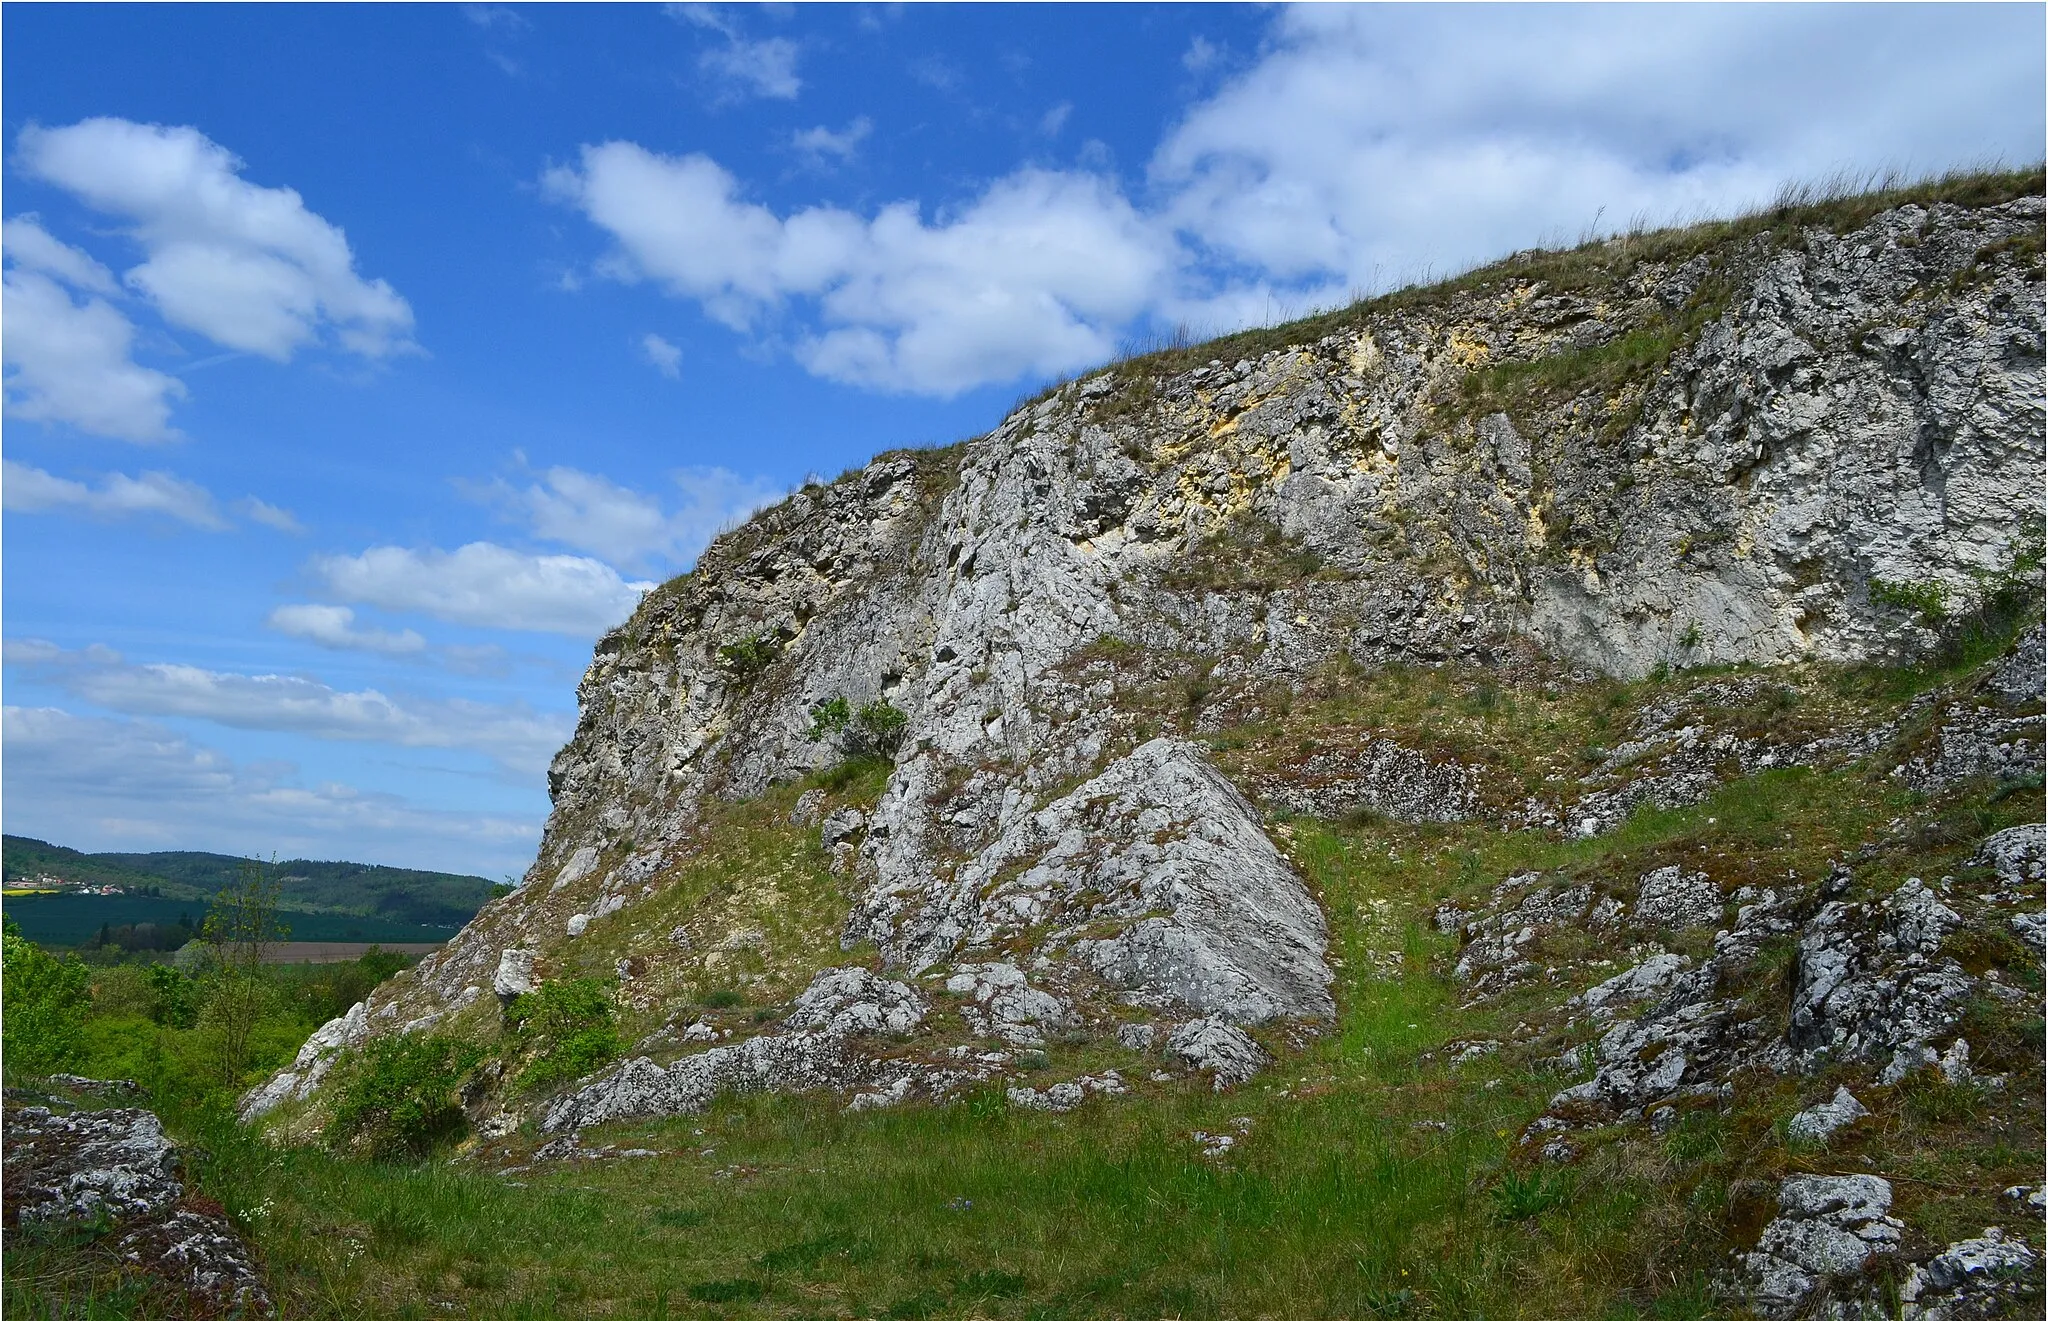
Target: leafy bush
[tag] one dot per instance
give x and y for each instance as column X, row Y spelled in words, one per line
column 749, row 656
column 1928, row 600
column 47, row 1001
column 873, row 733
column 174, row 997
column 568, row 1027
column 398, row 1098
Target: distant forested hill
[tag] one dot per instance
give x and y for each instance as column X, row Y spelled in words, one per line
column 395, row 894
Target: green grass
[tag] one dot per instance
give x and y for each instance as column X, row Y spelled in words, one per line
column 1840, row 205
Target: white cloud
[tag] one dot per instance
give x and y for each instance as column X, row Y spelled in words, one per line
column 761, row 68
column 1371, row 145
column 247, row 266
column 495, row 16
column 815, row 145
column 905, row 305
column 623, row 526
column 333, row 626
column 516, row 737
column 270, row 516
column 1055, row 119
column 31, row 247
column 31, row 490
column 486, row 585
column 666, row 357
column 1365, row 147
column 69, row 363
column 92, row 782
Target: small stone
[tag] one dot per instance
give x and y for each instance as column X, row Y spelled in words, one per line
column 1137, row 1036
column 577, row 925
column 515, row 973
column 1821, row 1122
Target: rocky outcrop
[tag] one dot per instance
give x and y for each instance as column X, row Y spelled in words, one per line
column 1828, row 420
column 1829, row 1228
column 115, row 1171
column 822, row 1049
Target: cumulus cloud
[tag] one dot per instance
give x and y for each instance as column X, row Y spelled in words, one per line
column 820, row 147
column 249, row 267
column 744, row 67
column 31, row 490
column 1370, row 146
column 1366, row 146
column 518, row 738
column 69, row 362
column 486, row 585
column 31, row 247
column 628, row 527
column 904, row 304
column 94, row 782
column 666, row 357
column 333, row 626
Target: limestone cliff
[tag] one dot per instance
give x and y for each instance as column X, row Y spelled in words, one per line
column 1802, row 439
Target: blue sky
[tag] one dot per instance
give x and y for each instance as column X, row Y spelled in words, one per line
column 364, row 362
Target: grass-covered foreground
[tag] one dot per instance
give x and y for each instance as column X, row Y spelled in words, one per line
column 1374, row 1173
column 1369, row 1175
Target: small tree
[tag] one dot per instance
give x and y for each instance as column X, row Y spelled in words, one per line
column 241, row 922
column 873, row 732
column 46, row 1003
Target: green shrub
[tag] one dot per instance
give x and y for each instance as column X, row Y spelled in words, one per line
column 1928, row 600
column 174, row 997
column 873, row 733
column 722, row 998
column 47, row 999
column 745, row 659
column 568, row 1027
column 398, row 1098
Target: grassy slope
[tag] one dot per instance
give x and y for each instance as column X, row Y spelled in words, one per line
column 1372, row 1179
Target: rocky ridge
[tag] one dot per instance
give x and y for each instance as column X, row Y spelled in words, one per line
column 1831, row 439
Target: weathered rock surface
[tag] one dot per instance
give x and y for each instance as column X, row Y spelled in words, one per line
column 1218, row 1049
column 819, row 1051
column 1854, row 410
column 1974, row 1280
column 115, row 1170
column 1818, row 1123
column 1828, row 1229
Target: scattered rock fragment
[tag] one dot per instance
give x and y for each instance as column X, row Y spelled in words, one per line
column 116, row 1168
column 1818, row 1123
column 1671, row 897
column 1992, row 1275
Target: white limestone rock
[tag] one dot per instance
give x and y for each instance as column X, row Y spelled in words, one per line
column 514, row 976
column 1671, row 897
column 1002, row 1003
column 1219, row 1049
column 1818, row 1123
column 1829, row 1228
column 1992, row 1275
